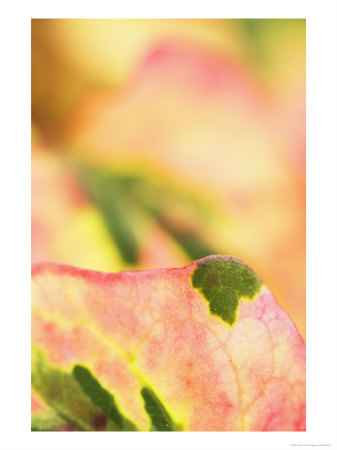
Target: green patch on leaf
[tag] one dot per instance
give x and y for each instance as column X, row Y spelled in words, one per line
column 100, row 397
column 160, row 418
column 62, row 392
column 223, row 281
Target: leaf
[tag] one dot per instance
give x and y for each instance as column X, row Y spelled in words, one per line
column 124, row 199
column 72, row 225
column 202, row 348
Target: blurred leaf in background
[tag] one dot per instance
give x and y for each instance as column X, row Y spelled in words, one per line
column 185, row 138
column 66, row 226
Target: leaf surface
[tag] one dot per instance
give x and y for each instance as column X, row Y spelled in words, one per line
column 203, row 348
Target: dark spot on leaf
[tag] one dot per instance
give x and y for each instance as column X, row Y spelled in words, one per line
column 100, row 422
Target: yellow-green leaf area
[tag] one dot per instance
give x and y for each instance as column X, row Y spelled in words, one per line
column 48, row 421
column 76, row 397
column 223, row 281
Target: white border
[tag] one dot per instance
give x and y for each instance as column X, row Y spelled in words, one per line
column 321, row 224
